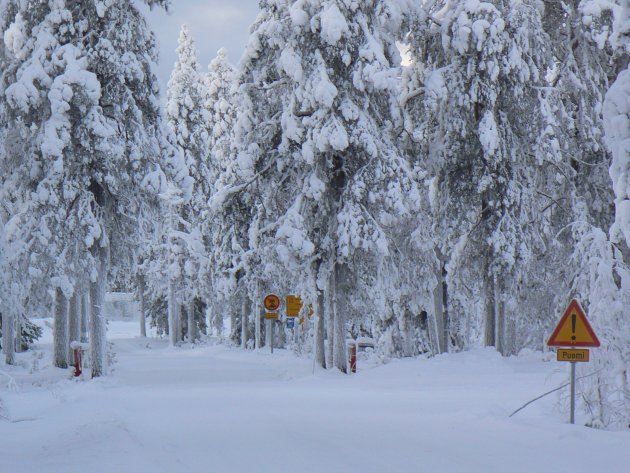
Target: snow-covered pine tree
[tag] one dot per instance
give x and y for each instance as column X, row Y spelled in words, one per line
column 189, row 122
column 90, row 134
column 478, row 68
column 45, row 78
column 316, row 164
column 607, row 397
column 220, row 99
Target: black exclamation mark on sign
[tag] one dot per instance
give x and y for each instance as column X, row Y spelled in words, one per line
column 573, row 322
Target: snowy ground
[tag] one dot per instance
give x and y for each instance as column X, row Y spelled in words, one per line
column 217, row 409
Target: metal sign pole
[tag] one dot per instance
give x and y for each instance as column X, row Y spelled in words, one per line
column 572, row 418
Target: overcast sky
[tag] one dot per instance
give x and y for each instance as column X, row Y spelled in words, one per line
column 214, row 24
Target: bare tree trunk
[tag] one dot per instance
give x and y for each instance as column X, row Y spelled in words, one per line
column 440, row 305
column 320, row 352
column 329, row 315
column 244, row 320
column 490, row 315
column 141, row 301
column 60, row 330
column 446, row 322
column 98, row 322
column 510, row 333
column 256, row 312
column 8, row 338
column 74, row 326
column 192, row 326
column 625, row 390
column 85, row 303
column 173, row 315
column 18, row 333
column 438, row 312
column 340, row 355
column 500, row 318
column 217, row 321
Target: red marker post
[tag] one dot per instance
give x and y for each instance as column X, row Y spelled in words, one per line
column 352, row 355
column 77, row 349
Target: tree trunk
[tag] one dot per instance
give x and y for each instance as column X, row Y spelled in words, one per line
column 440, row 301
column 98, row 322
column 143, row 320
column 329, row 315
column 74, row 326
column 18, row 333
column 438, row 312
column 192, row 326
column 340, row 355
column 60, row 330
column 490, row 315
column 256, row 312
column 244, row 321
column 85, row 304
column 217, row 321
column 173, row 315
column 501, row 342
column 320, row 351
column 445, row 314
column 8, row 338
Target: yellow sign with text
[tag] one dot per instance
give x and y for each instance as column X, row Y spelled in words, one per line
column 294, row 305
column 574, row 354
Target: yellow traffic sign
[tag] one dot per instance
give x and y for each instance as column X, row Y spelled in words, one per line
column 573, row 330
column 294, row 305
column 573, row 354
column 271, row 302
column 271, row 315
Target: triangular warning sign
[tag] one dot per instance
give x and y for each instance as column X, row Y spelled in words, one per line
column 573, row 330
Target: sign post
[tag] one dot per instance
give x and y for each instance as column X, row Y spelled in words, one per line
column 573, row 331
column 272, row 304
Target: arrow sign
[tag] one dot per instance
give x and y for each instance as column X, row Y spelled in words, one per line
column 573, row 330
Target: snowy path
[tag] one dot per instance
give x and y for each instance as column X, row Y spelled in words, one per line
column 213, row 409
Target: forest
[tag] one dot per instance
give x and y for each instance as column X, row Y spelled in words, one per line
column 435, row 175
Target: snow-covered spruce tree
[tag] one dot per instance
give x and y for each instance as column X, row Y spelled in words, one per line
column 189, row 122
column 316, row 164
column 577, row 187
column 220, row 89
column 607, row 396
column 161, row 255
column 7, row 337
column 47, row 88
column 572, row 180
column 478, row 68
column 580, row 32
column 99, row 145
column 220, row 99
column 601, row 280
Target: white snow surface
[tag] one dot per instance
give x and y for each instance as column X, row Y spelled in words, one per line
column 211, row 408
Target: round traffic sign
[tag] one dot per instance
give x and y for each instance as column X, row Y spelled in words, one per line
column 272, row 302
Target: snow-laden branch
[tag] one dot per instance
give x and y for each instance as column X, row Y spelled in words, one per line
column 219, row 198
column 550, row 392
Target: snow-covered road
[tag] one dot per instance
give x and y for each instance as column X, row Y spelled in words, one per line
column 216, row 409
